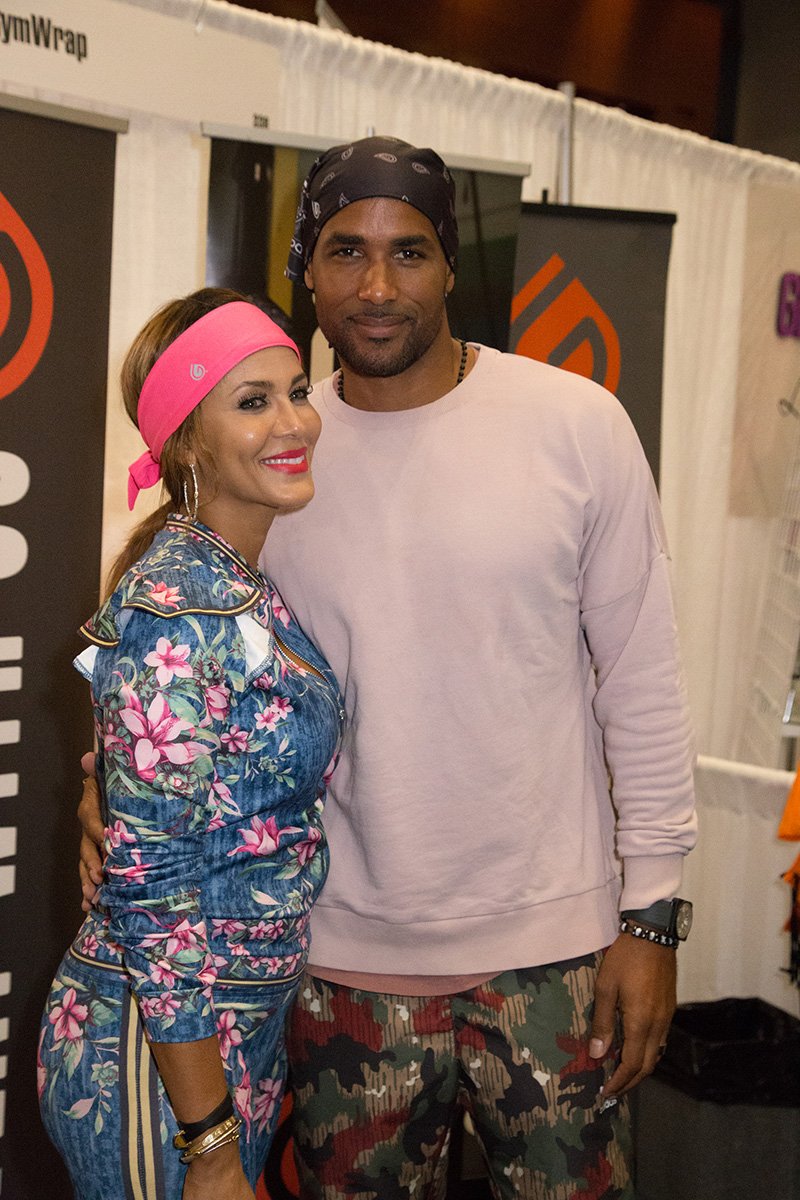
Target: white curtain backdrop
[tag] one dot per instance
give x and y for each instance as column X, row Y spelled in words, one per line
column 337, row 86
column 738, row 944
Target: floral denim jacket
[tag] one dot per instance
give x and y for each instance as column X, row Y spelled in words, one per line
column 218, row 724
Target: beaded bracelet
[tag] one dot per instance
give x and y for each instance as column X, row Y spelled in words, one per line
column 650, row 935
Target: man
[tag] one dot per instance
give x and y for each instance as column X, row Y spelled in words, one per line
column 484, row 568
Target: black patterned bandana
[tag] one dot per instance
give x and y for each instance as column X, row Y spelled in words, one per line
column 375, row 166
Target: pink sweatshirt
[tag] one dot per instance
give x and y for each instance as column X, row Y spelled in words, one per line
column 488, row 579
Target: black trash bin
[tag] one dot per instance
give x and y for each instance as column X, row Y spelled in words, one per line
column 720, row 1117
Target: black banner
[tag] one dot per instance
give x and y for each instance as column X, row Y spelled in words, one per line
column 589, row 295
column 56, row 202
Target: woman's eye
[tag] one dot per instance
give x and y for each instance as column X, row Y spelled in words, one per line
column 300, row 394
column 249, row 403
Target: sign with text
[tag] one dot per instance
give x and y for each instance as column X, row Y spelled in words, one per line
column 56, row 204
column 133, row 57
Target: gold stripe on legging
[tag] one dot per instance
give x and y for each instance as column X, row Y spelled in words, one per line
column 132, row 1072
column 145, row 1065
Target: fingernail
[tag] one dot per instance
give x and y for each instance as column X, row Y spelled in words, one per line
column 596, row 1048
column 609, row 1103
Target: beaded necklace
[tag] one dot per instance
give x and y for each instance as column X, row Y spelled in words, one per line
column 462, row 367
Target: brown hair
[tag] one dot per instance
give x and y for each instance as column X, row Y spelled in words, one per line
column 161, row 330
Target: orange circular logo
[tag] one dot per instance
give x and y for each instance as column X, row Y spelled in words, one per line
column 22, row 362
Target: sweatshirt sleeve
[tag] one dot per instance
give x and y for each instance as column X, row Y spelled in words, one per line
column 640, row 700
column 161, row 708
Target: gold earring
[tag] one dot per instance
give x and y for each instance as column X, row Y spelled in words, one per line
column 191, row 512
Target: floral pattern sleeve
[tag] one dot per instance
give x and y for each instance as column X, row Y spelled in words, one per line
column 161, row 698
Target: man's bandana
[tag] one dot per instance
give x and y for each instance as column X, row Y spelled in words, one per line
column 376, row 166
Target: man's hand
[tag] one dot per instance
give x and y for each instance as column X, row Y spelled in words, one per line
column 637, row 978
column 91, row 865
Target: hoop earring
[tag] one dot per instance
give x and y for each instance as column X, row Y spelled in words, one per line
column 191, row 511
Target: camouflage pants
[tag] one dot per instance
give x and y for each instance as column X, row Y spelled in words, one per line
column 378, row 1081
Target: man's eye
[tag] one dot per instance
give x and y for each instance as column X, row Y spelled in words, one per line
column 408, row 254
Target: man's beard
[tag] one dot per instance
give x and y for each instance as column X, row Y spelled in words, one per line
column 381, row 362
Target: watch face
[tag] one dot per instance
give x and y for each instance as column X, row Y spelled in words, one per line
column 683, row 919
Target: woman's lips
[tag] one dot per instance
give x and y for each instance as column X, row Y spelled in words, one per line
column 291, row 462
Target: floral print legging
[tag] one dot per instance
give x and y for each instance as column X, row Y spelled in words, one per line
column 101, row 1098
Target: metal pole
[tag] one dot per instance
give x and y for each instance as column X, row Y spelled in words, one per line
column 566, row 146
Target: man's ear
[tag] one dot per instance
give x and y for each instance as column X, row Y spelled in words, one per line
column 449, row 282
column 308, row 276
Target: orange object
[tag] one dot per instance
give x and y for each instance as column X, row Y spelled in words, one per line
column 789, row 827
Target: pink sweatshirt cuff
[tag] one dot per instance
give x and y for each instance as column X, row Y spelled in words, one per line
column 649, row 879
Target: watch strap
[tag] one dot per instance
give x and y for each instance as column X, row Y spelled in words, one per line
column 658, row 915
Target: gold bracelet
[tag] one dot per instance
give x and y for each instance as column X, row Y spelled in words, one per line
column 233, row 1136
column 227, row 1131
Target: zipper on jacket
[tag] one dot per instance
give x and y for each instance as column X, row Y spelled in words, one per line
column 296, row 660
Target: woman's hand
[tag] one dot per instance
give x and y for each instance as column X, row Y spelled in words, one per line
column 91, row 865
column 217, row 1175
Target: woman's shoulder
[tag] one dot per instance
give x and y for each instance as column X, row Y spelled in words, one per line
column 187, row 570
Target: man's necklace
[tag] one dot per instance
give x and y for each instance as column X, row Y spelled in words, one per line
column 462, row 367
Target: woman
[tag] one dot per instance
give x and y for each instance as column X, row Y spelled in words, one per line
column 161, row 1058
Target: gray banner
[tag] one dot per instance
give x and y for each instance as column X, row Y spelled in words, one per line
column 589, row 295
column 56, row 201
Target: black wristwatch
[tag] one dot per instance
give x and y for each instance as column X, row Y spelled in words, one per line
column 666, row 922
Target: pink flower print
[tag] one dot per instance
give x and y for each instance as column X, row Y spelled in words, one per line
column 147, row 1006
column 160, row 972
column 167, row 597
column 304, row 851
column 264, row 681
column 208, row 975
column 282, row 707
column 266, row 720
column 67, row 1017
column 155, row 733
column 169, row 661
column 235, row 740
column 238, row 589
column 262, row 837
column 90, row 946
column 229, row 1035
column 279, row 611
column 136, row 873
column 328, row 772
column 217, row 701
column 267, row 1097
column 267, row 930
column 243, row 1092
column 116, row 834
column 222, row 793
column 41, row 1069
column 166, row 1005
column 184, row 937
column 226, row 926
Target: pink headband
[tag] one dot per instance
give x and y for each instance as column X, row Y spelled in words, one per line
column 187, row 371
